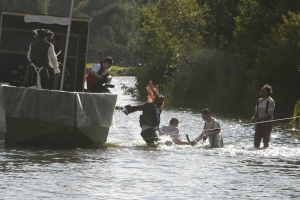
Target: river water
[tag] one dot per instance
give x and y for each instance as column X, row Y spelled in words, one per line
column 125, row 168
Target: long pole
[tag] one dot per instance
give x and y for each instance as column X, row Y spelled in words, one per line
column 1, row 18
column 275, row 120
column 66, row 48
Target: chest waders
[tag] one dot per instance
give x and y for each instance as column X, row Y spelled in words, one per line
column 267, row 107
column 213, row 141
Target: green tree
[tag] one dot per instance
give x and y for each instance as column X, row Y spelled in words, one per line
column 220, row 23
column 61, row 8
column 28, row 6
column 254, row 25
column 253, row 30
column 169, row 29
column 113, row 28
column 279, row 64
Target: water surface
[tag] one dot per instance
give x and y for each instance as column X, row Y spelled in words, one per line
column 125, row 168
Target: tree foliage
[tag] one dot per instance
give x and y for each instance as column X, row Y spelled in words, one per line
column 29, row 6
column 113, row 29
column 254, row 25
column 169, row 29
column 220, row 22
column 279, row 62
column 237, row 52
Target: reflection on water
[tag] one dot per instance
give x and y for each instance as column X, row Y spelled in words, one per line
column 125, row 168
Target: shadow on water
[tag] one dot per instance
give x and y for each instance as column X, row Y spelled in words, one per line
column 17, row 157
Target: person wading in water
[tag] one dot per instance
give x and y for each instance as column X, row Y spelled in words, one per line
column 264, row 111
column 211, row 129
column 173, row 131
column 150, row 118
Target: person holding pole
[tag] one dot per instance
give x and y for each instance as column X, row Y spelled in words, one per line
column 264, row 111
column 211, row 130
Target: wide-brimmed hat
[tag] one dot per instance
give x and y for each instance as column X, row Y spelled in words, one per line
column 43, row 33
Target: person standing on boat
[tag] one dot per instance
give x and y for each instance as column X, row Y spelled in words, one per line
column 42, row 56
column 150, row 118
column 211, row 129
column 173, row 132
column 264, row 111
column 59, row 54
column 98, row 76
column 55, row 82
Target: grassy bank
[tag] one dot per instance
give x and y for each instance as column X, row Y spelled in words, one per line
column 116, row 70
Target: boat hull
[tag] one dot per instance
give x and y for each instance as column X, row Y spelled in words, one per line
column 55, row 118
column 37, row 132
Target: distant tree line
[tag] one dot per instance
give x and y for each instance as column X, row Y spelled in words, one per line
column 218, row 54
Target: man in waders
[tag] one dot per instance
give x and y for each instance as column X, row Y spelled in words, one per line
column 211, row 130
column 264, row 111
column 42, row 56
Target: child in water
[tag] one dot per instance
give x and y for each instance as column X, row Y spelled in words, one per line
column 173, row 132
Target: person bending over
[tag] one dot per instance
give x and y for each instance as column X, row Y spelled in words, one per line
column 98, row 76
column 211, row 130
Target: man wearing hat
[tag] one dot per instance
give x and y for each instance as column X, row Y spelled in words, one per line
column 41, row 55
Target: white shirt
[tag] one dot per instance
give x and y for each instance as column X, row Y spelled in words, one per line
column 172, row 131
column 262, row 107
column 97, row 67
column 51, row 57
column 211, row 126
column 214, row 140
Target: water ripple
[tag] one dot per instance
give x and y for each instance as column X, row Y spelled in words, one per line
column 125, row 168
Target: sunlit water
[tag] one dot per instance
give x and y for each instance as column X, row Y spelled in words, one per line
column 125, row 168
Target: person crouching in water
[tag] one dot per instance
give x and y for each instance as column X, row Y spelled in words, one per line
column 211, row 129
column 150, row 118
column 173, row 132
column 98, row 76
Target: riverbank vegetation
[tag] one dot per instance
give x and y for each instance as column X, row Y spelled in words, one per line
column 218, row 54
column 215, row 54
column 116, row 70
